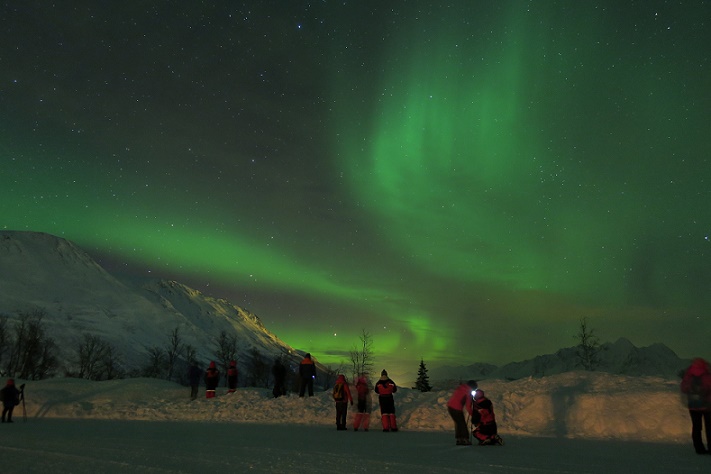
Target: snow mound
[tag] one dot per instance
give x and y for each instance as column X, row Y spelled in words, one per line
column 571, row 405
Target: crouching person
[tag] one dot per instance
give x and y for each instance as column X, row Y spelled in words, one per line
column 484, row 421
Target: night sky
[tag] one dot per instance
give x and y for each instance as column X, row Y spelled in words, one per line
column 465, row 180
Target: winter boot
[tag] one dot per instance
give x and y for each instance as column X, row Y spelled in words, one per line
column 386, row 422
column 393, row 423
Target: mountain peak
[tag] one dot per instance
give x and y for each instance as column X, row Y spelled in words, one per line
column 77, row 296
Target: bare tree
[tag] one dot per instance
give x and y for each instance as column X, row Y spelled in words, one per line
column 32, row 355
column 172, row 351
column 258, row 369
column 362, row 356
column 330, row 374
column 112, row 362
column 226, row 350
column 190, row 354
column 156, row 362
column 90, row 354
column 588, row 349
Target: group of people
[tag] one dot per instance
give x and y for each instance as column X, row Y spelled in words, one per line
column 467, row 404
column 211, row 379
column 467, row 397
column 384, row 387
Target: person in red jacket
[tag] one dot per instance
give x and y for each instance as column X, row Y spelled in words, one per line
column 342, row 396
column 362, row 416
column 460, row 400
column 385, row 389
column 696, row 385
column 212, row 378
column 484, row 421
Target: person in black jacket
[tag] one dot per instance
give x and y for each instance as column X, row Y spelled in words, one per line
column 10, row 398
column 232, row 377
column 307, row 372
column 194, row 374
column 279, row 373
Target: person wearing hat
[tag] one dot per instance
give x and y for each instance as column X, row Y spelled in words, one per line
column 212, row 379
column 460, row 400
column 385, row 389
column 10, row 398
column 485, row 429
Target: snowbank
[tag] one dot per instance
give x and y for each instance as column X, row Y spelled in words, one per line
column 571, row 405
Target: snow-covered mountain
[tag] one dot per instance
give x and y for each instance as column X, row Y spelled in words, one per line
column 45, row 273
column 621, row 357
column 41, row 272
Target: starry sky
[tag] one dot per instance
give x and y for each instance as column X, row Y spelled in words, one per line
column 464, row 180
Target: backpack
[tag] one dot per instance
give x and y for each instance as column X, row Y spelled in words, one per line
column 338, row 392
column 696, row 393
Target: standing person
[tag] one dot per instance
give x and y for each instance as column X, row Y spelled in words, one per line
column 460, row 400
column 342, row 395
column 10, row 399
column 307, row 372
column 212, row 379
column 194, row 374
column 232, row 377
column 385, row 389
column 696, row 384
column 485, row 431
column 279, row 374
column 362, row 415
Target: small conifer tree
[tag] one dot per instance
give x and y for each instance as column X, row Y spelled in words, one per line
column 423, row 381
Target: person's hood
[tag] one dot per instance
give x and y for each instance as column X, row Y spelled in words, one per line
column 698, row 367
column 341, row 378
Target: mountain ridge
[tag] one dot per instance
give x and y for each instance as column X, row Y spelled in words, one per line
column 40, row 271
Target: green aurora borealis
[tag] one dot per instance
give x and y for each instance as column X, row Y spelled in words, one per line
column 465, row 181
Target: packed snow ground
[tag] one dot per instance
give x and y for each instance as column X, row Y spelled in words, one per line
column 568, row 423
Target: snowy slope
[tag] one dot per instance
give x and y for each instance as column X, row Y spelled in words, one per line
column 47, row 273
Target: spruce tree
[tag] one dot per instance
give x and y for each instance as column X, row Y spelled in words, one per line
column 423, row 381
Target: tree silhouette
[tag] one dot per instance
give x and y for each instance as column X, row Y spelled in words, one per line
column 423, row 381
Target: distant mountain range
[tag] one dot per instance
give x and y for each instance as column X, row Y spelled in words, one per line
column 620, row 357
column 42, row 272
